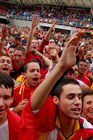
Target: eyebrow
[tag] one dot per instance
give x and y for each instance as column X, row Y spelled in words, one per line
column 74, row 94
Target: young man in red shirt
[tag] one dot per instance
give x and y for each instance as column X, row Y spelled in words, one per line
column 47, row 121
column 9, row 121
column 26, row 88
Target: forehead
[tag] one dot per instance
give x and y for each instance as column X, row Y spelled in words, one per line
column 5, row 58
column 51, row 40
column 34, row 41
column 33, row 65
column 5, row 91
column 71, row 89
column 83, row 63
column 11, row 49
column 18, row 52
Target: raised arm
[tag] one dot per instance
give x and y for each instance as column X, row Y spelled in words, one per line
column 32, row 29
column 50, row 31
column 46, row 38
column 4, row 34
column 46, row 60
column 67, row 60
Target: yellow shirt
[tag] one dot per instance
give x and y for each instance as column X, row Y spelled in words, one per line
column 76, row 127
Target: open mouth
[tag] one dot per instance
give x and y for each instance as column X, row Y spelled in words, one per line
column 34, row 47
column 1, row 111
column 5, row 69
column 35, row 79
column 76, row 110
column 17, row 61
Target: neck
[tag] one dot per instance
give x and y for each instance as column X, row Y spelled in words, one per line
column 19, row 66
column 81, row 74
column 3, row 119
column 67, row 124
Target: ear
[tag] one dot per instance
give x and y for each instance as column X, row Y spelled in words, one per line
column 56, row 100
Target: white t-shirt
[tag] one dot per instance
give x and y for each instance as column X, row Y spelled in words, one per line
column 4, row 131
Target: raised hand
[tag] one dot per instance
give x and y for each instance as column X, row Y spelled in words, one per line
column 4, row 32
column 34, row 21
column 50, row 30
column 68, row 58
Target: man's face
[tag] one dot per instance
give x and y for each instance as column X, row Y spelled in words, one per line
column 11, row 39
column 5, row 64
column 88, row 107
column 82, row 67
column 19, row 58
column 5, row 101
column 11, row 52
column 51, row 41
column 39, row 41
column 34, row 45
column 33, row 74
column 52, row 52
column 70, row 102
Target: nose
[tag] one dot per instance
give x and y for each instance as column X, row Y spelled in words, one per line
column 16, row 57
column 1, row 102
column 35, row 72
column 77, row 101
column 5, row 62
column 92, row 105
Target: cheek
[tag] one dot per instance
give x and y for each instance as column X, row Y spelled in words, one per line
column 7, row 103
column 29, row 76
column 85, row 108
column 62, row 105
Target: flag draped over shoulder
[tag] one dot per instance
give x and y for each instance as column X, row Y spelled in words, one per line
column 33, row 124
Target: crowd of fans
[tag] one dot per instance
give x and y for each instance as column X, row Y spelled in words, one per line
column 35, row 60
column 66, row 16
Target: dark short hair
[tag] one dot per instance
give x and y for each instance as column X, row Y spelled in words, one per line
column 58, row 87
column 12, row 46
column 83, row 60
column 33, row 60
column 6, row 81
column 5, row 54
column 85, row 92
column 52, row 37
column 20, row 48
column 17, row 37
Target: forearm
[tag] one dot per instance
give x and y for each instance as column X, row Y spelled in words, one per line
column 66, row 61
column 49, row 31
column 29, row 39
column 45, row 87
column 42, row 45
column 2, row 47
column 48, row 34
column 46, row 60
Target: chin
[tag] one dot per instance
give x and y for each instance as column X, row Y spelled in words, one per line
column 76, row 117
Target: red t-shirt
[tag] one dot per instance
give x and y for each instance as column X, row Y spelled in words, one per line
column 84, row 79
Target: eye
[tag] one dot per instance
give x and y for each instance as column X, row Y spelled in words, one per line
column 8, row 62
column 38, row 71
column 2, row 61
column 70, row 97
column 89, row 102
column 6, row 97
